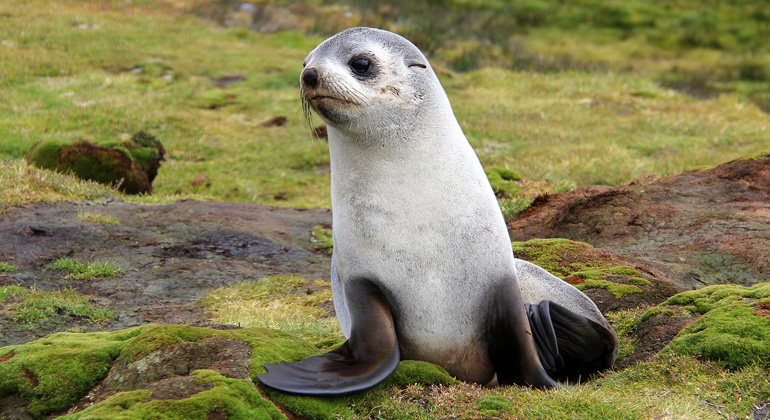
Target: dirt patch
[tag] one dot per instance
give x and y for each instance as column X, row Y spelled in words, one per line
column 699, row 228
column 169, row 256
column 652, row 336
column 763, row 309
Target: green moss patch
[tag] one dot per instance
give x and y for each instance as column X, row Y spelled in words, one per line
column 267, row 346
column 503, row 181
column 54, row 372
column 162, row 336
column 618, row 290
column 734, row 327
column 581, row 265
column 234, row 399
column 493, row 405
column 97, row 218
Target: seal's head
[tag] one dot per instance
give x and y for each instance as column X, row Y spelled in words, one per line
column 364, row 80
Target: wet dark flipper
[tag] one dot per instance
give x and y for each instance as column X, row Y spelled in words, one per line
column 511, row 349
column 544, row 335
column 369, row 357
column 569, row 344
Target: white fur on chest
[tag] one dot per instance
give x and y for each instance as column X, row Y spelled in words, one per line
column 423, row 223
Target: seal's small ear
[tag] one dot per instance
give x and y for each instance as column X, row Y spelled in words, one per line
column 415, row 63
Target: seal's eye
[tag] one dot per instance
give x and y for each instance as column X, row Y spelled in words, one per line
column 361, row 66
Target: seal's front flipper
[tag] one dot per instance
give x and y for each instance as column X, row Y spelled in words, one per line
column 569, row 344
column 366, row 359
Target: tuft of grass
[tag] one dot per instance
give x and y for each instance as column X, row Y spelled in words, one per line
column 623, row 322
column 31, row 306
column 7, row 292
column 83, row 271
column 88, row 216
column 5, row 267
column 503, row 182
column 322, row 239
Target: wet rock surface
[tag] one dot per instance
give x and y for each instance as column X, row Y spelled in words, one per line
column 169, row 256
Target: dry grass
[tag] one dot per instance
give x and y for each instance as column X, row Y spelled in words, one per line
column 286, row 303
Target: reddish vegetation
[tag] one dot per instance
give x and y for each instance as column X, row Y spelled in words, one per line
column 763, row 309
column 701, row 227
column 574, row 280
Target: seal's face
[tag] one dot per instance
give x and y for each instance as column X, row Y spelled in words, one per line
column 365, row 80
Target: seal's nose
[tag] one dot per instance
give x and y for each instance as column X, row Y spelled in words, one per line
column 310, row 77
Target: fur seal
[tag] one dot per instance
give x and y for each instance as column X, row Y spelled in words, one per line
column 423, row 267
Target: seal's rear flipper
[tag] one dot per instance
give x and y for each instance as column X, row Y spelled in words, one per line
column 569, row 344
column 511, row 350
column 369, row 357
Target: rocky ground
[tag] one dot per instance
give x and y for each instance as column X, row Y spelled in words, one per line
column 169, row 255
column 675, row 234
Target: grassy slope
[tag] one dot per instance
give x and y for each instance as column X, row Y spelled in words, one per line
column 68, row 75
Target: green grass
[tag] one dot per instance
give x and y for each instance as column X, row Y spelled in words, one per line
column 322, row 239
column 88, row 216
column 83, row 271
column 71, row 73
column 5, row 267
column 31, row 306
column 7, row 292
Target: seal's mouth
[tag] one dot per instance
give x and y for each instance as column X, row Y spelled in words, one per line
column 324, row 98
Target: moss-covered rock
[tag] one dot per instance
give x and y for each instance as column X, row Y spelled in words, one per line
column 131, row 165
column 733, row 327
column 235, row 399
column 54, row 372
column 581, row 265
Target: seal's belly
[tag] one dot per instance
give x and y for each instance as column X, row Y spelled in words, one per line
column 444, row 325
